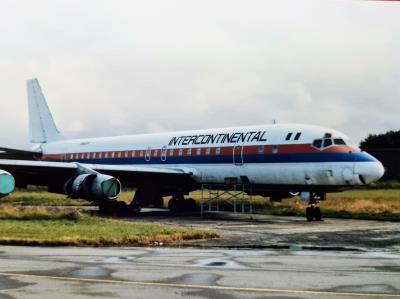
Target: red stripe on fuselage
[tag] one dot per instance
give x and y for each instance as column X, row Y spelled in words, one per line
column 204, row 151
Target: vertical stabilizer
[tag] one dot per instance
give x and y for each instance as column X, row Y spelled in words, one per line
column 42, row 128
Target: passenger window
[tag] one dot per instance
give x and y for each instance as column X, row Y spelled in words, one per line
column 180, row 152
column 164, row 151
column 155, row 153
column 288, row 136
column 339, row 141
column 189, row 152
column 275, row 149
column 208, row 151
column 317, row 143
column 261, row 149
column 327, row 142
column 218, row 151
column 148, row 153
column 297, row 137
column 198, row 151
column 171, row 152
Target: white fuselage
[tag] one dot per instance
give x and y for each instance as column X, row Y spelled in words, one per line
column 262, row 155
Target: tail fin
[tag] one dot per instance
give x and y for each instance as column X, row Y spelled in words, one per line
column 42, row 128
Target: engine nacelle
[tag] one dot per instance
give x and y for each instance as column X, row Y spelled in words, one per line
column 93, row 187
column 7, row 183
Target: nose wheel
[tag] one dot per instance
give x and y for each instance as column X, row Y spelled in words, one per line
column 313, row 211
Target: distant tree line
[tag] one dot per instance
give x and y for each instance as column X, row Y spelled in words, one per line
column 386, row 148
column 390, row 139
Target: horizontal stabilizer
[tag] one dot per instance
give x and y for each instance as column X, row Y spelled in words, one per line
column 15, row 154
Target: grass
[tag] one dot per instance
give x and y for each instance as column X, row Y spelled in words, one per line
column 373, row 204
column 40, row 197
column 357, row 204
column 54, row 227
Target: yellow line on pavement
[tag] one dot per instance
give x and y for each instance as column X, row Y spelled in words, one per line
column 195, row 286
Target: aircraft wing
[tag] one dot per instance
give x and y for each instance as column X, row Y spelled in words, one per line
column 18, row 154
column 52, row 173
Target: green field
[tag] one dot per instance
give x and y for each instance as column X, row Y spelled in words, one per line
column 35, row 217
column 376, row 204
column 40, row 197
column 51, row 227
column 372, row 203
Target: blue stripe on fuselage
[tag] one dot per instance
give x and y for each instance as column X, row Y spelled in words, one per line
column 257, row 158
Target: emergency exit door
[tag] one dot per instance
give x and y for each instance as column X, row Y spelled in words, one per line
column 238, row 155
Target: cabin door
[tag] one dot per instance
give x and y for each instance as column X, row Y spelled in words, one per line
column 238, row 155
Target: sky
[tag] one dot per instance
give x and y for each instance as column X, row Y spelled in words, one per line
column 126, row 67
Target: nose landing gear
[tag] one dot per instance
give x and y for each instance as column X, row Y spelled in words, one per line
column 313, row 211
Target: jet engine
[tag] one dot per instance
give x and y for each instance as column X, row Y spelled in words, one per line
column 93, row 187
column 7, row 183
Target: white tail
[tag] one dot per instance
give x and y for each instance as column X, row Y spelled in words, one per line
column 42, row 128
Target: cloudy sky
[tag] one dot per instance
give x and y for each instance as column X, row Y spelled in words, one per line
column 124, row 67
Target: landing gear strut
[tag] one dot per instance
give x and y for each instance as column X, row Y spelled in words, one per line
column 313, row 212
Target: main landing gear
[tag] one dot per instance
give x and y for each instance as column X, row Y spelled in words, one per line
column 313, row 211
column 178, row 203
column 117, row 208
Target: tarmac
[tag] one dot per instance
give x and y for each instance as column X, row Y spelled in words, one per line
column 258, row 257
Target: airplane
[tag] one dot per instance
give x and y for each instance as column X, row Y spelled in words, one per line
column 278, row 161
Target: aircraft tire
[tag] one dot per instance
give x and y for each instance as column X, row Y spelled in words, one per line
column 310, row 213
column 177, row 204
column 172, row 204
column 317, row 214
column 158, row 202
column 108, row 207
column 135, row 208
column 190, row 204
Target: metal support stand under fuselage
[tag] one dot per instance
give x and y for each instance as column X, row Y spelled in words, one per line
column 230, row 195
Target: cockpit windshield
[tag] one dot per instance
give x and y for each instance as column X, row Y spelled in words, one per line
column 317, row 143
column 339, row 141
column 328, row 141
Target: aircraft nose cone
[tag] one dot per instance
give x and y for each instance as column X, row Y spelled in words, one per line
column 370, row 172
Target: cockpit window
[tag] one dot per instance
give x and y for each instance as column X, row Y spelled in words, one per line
column 339, row 141
column 327, row 142
column 317, row 143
